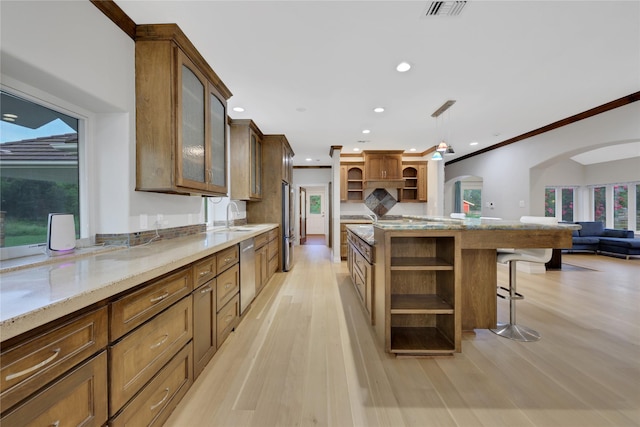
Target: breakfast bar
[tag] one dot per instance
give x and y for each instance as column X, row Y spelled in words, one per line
column 436, row 277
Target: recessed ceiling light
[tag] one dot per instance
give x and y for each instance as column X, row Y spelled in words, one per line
column 473, row 143
column 378, row 109
column 366, row 131
column 412, row 149
column 403, row 66
column 356, row 149
column 308, row 159
column 238, row 109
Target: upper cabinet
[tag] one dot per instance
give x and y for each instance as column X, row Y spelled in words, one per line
column 287, row 162
column 383, row 168
column 246, row 153
column 180, row 116
column 415, row 182
column 351, row 182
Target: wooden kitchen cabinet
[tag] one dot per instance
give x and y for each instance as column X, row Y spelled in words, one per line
column 360, row 266
column 418, row 291
column 275, row 148
column 180, row 116
column 415, row 182
column 246, row 160
column 383, row 165
column 204, row 326
column 139, row 356
column 153, row 405
column 78, row 398
column 28, row 365
column 352, row 182
column 135, row 308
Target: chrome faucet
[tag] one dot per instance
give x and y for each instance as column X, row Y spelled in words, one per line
column 373, row 217
column 231, row 202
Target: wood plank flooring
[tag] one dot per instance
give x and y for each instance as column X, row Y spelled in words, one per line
column 304, row 355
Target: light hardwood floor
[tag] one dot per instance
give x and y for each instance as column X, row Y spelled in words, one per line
column 305, row 356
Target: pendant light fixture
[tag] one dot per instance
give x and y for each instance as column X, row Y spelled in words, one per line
column 442, row 147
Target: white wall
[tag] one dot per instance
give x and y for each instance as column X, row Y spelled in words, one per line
column 520, row 171
column 69, row 54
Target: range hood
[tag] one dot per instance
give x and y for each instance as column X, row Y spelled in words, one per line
column 384, row 183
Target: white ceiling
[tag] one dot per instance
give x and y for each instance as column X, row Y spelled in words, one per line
column 314, row 70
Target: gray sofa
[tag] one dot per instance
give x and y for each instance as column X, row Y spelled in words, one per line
column 593, row 237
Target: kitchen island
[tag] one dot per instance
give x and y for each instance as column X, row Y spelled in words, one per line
column 436, row 277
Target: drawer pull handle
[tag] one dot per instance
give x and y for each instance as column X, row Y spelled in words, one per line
column 166, row 394
column 55, row 423
column 204, row 273
column 207, row 289
column 226, row 260
column 227, row 286
column 160, row 298
column 34, row 367
column 159, row 343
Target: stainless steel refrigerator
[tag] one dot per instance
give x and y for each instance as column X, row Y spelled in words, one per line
column 288, row 236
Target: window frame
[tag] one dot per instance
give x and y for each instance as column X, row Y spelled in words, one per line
column 49, row 101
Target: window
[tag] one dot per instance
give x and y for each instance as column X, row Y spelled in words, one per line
column 39, row 171
column 472, row 201
column 565, row 202
column 620, row 204
column 600, row 204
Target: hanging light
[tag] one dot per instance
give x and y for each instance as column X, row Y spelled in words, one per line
column 442, row 147
column 436, row 156
column 449, row 151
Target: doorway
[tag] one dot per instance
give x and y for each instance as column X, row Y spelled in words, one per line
column 303, row 215
column 315, row 213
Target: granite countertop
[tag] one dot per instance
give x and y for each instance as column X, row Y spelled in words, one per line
column 31, row 296
column 415, row 222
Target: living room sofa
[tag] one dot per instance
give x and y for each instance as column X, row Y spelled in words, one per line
column 595, row 238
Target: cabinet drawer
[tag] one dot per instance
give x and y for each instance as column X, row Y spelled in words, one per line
column 273, row 234
column 78, row 398
column 260, row 240
column 137, row 307
column 28, row 366
column 205, row 270
column 359, row 264
column 153, row 405
column 228, row 318
column 138, row 356
column 227, row 285
column 227, row 258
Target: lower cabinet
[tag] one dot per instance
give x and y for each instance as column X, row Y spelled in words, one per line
column 204, row 326
column 266, row 257
column 139, row 356
column 129, row 360
column 153, row 405
column 77, row 398
column 359, row 262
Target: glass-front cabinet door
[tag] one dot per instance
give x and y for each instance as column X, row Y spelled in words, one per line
column 202, row 144
column 191, row 164
column 218, row 152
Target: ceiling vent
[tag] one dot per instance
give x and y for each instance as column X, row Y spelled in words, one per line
column 445, row 8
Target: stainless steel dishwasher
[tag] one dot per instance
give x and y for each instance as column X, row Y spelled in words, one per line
column 247, row 273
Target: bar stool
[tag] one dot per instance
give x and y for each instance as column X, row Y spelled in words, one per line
column 512, row 330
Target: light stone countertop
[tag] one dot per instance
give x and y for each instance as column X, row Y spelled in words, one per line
column 414, row 222
column 33, row 296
